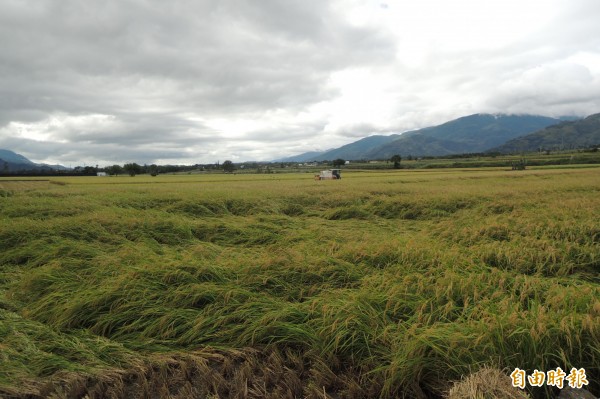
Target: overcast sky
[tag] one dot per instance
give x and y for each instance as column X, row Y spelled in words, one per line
column 182, row 81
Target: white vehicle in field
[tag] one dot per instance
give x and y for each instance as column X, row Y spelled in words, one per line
column 330, row 174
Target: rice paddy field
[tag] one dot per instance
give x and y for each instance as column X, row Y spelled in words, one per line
column 379, row 285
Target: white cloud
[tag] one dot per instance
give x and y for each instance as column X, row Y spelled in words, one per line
column 148, row 81
column 60, row 127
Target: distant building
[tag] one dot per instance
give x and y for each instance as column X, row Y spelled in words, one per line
column 100, row 173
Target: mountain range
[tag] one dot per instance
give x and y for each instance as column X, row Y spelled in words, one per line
column 476, row 133
column 565, row 135
column 11, row 162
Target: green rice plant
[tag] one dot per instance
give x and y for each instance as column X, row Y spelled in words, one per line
column 350, row 212
column 383, row 284
column 31, row 350
column 230, row 234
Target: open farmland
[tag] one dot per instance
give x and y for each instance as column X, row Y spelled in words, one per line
column 382, row 284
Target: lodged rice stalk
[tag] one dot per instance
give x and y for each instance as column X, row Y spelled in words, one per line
column 378, row 285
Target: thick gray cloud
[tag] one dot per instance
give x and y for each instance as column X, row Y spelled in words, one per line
column 182, row 81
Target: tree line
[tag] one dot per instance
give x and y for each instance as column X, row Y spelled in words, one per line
column 134, row 168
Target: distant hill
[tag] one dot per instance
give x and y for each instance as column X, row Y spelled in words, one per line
column 417, row 145
column 304, row 157
column 565, row 135
column 11, row 162
column 469, row 134
column 13, row 157
column 358, row 149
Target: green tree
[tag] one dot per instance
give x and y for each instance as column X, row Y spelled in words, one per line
column 396, row 159
column 132, row 168
column 338, row 162
column 114, row 170
column 90, row 170
column 153, row 170
column 228, row 166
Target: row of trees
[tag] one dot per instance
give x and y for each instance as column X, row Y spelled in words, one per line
column 396, row 159
column 133, row 169
column 228, row 166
